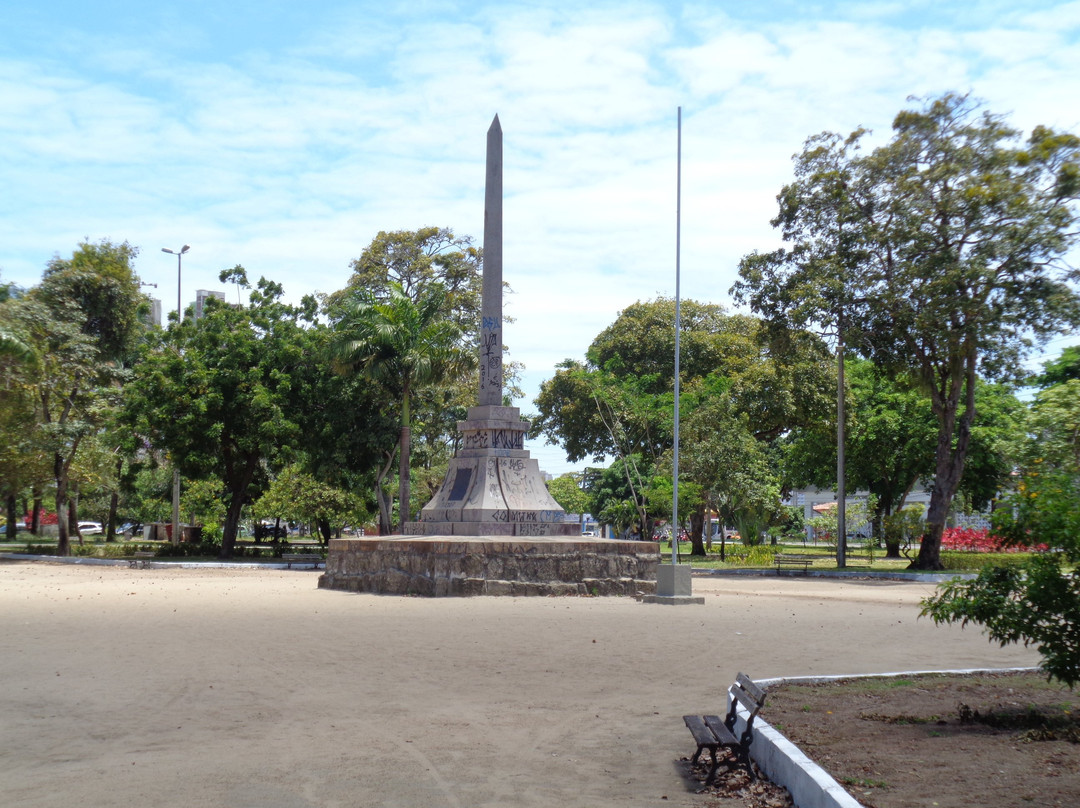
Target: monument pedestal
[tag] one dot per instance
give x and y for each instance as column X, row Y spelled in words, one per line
column 492, row 487
column 441, row 566
column 492, row 528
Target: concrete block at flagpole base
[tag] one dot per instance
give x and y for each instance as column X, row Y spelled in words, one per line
column 673, row 586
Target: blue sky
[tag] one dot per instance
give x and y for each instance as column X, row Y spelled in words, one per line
column 284, row 136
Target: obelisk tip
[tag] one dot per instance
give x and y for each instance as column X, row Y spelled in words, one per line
column 495, row 125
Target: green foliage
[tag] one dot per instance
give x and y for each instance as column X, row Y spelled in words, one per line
column 74, row 330
column 414, row 261
column 738, row 395
column 404, row 344
column 237, row 382
column 567, row 490
column 295, row 496
column 900, row 529
column 1037, row 603
column 617, row 495
column 939, row 255
column 98, row 280
column 203, row 502
column 1062, row 369
column 968, row 561
column 757, row 555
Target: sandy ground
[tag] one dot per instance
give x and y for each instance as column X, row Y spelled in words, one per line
column 254, row 689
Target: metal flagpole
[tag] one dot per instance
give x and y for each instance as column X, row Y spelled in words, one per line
column 678, row 327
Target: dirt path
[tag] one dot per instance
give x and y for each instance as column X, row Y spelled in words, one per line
column 254, row 689
column 1007, row 740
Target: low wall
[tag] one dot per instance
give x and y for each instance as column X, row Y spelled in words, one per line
column 494, row 565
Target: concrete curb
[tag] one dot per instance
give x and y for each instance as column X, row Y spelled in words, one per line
column 786, row 765
column 160, row 563
column 925, row 577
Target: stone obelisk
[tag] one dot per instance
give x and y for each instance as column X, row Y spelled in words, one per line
column 491, row 343
column 492, row 487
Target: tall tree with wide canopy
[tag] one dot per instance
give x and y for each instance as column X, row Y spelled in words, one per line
column 413, row 260
column 619, row 401
column 225, row 394
column 79, row 321
column 405, row 345
column 943, row 252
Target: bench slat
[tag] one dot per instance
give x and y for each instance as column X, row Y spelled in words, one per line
column 751, row 687
column 717, row 726
column 702, row 734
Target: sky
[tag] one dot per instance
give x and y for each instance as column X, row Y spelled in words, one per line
column 284, row 136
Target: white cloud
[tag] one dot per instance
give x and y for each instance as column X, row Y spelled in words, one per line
column 287, row 150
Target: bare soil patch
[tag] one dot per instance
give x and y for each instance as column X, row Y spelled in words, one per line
column 939, row 740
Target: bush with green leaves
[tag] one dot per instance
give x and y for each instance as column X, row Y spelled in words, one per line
column 974, row 561
column 1038, row 601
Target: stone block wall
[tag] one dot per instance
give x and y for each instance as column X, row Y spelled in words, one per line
column 445, row 566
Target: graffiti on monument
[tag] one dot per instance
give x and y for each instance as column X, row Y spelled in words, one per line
column 495, row 439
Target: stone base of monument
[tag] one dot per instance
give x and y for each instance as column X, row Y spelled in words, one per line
column 456, row 566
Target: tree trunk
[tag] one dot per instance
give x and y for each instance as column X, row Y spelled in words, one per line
column 114, row 501
column 697, row 523
column 63, row 540
column 324, row 530
column 386, row 501
column 35, row 514
column 73, row 518
column 12, row 526
column 405, row 442
column 949, row 461
column 232, row 522
column 404, row 493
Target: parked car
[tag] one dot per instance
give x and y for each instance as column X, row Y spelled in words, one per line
column 89, row 528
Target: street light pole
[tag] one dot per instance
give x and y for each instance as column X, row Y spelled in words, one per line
column 176, row 472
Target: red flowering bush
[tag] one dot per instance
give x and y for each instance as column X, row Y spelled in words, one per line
column 46, row 517
column 972, row 540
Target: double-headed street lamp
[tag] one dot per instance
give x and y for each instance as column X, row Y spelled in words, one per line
column 179, row 258
column 176, row 472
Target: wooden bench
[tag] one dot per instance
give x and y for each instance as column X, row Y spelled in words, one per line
column 141, row 557
column 302, row 558
column 712, row 733
column 792, row 560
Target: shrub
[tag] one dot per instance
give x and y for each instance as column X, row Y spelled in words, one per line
column 759, row 555
column 973, row 560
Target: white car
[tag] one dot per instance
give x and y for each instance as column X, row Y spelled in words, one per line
column 89, row 528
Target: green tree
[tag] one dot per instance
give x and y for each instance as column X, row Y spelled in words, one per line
column 1065, row 367
column 1037, row 602
column 405, row 345
column 413, row 260
column 236, row 382
column 734, row 468
column 620, row 401
column 296, row 496
column 22, row 461
column 940, row 253
column 891, row 433
column 567, row 490
column 79, row 322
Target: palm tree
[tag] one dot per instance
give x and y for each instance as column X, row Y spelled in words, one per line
column 405, row 344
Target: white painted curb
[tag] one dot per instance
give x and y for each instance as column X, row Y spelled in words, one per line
column 786, row 765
